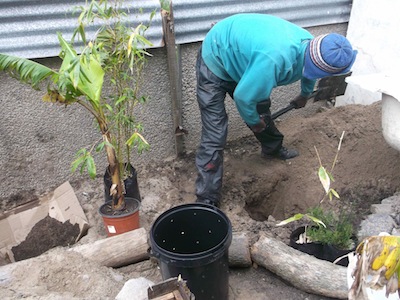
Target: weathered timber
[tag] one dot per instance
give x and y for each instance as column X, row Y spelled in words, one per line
column 119, row 250
column 303, row 271
column 239, row 251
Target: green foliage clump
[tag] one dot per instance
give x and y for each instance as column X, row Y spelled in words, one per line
column 338, row 230
column 165, row 5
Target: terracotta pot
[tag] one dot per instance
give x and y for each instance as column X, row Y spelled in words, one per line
column 121, row 221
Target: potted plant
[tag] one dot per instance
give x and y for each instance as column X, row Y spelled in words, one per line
column 115, row 54
column 330, row 236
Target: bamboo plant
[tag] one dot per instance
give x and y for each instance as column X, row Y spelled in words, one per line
column 336, row 229
column 116, row 53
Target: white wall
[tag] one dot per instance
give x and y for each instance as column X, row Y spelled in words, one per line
column 373, row 30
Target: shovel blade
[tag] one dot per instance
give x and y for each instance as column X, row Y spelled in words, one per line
column 328, row 89
column 331, row 87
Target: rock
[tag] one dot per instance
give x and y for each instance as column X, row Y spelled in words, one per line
column 135, row 289
column 396, row 231
column 381, row 208
column 393, row 200
column 375, row 224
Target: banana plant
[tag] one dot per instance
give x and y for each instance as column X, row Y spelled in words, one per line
column 116, row 51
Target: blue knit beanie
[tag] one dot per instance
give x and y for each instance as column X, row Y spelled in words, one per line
column 327, row 55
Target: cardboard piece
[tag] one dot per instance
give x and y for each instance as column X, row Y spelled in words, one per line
column 62, row 204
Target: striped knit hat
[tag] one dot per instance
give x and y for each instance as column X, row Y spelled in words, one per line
column 327, row 55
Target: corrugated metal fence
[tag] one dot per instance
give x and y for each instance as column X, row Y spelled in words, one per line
column 193, row 18
column 28, row 27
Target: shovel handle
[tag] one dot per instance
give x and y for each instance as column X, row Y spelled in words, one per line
column 282, row 111
column 289, row 107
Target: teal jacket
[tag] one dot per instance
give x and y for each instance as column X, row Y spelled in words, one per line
column 259, row 52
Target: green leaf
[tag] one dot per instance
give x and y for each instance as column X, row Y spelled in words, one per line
column 77, row 162
column 296, row 217
column 316, row 220
column 143, row 147
column 153, row 13
column 165, row 5
column 324, row 178
column 91, row 167
column 100, row 147
column 138, row 140
column 335, row 193
column 85, row 74
column 330, row 176
column 144, row 42
column 25, row 70
column 108, row 106
column 76, row 70
column 86, row 162
column 142, row 99
column 80, row 30
column 120, row 99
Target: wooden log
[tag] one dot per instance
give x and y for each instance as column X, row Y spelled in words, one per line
column 239, row 251
column 303, row 271
column 119, row 250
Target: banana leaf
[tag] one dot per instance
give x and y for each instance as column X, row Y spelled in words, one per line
column 25, row 70
column 84, row 72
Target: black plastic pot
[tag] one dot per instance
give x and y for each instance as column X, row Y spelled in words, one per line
column 315, row 249
column 131, row 184
column 331, row 253
column 318, row 250
column 192, row 241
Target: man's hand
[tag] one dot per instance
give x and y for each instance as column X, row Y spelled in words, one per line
column 299, row 102
column 259, row 127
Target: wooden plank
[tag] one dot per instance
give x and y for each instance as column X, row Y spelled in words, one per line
column 167, row 286
column 175, row 77
column 169, row 296
column 178, row 295
column 175, row 286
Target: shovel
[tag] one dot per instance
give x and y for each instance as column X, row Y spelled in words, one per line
column 328, row 89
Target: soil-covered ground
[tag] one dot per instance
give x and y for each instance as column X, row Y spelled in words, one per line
column 256, row 194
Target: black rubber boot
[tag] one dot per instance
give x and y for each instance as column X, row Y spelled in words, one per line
column 283, row 154
column 209, row 202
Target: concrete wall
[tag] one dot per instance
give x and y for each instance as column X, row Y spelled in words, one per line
column 39, row 140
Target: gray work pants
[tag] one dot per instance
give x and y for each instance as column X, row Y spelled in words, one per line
column 211, row 93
